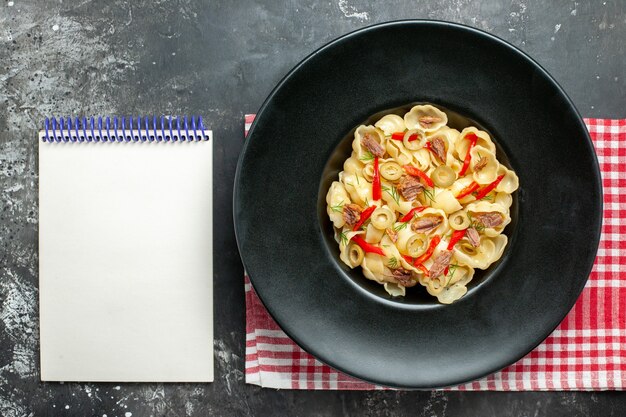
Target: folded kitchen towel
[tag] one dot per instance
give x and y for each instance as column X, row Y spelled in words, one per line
column 587, row 351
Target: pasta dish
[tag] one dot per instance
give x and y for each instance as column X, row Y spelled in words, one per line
column 419, row 202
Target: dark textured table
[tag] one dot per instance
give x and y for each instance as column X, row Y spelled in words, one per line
column 220, row 59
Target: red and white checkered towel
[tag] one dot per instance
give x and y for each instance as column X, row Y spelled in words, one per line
column 587, row 351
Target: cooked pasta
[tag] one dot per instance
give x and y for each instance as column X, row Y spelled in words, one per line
column 420, row 204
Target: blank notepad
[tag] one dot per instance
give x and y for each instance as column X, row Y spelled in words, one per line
column 125, row 254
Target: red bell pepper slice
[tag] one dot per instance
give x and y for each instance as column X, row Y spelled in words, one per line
column 423, row 269
column 429, row 252
column 410, row 260
column 411, row 170
column 468, row 190
column 366, row 214
column 400, row 136
column 473, row 139
column 376, row 189
column 489, row 188
column 367, row 247
column 456, row 236
column 411, row 213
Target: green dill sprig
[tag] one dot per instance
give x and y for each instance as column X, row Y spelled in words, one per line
column 393, row 192
column 393, row 262
column 476, row 225
column 337, row 208
column 343, row 238
column 367, row 157
column 430, row 194
column 452, row 269
column 486, row 197
column 401, row 225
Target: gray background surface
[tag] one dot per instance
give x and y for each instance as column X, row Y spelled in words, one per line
column 220, row 59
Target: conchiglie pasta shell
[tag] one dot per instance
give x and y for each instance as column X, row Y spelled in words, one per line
column 352, row 165
column 486, row 207
column 456, row 284
column 411, row 119
column 349, row 234
column 462, row 145
column 336, row 196
column 394, row 289
column 489, row 172
column 431, row 211
column 462, row 274
column 357, row 187
column 390, row 124
column 372, row 234
column 344, row 246
column 452, row 293
column 451, row 135
column 368, row 172
column 397, row 151
column 402, row 205
column 468, row 255
column 495, row 247
column 449, row 139
column 374, row 267
column 358, row 147
column 460, row 184
column 509, row 183
column 504, row 199
column 422, row 160
column 391, row 251
column 445, row 200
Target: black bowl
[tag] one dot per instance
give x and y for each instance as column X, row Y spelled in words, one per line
column 296, row 146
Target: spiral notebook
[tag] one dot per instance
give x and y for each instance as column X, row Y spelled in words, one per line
column 125, row 250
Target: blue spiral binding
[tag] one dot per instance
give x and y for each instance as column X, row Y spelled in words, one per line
column 170, row 129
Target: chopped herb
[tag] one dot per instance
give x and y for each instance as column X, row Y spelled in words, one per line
column 393, row 192
column 367, row 157
column 385, row 246
column 337, row 208
column 430, row 194
column 350, row 184
column 393, row 263
column 452, row 269
column 476, row 225
column 367, row 203
column 486, row 197
column 357, row 180
column 344, row 238
column 401, row 226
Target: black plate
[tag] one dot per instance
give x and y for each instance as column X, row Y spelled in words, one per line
column 294, row 147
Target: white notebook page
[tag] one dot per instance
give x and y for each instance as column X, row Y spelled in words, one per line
column 126, row 261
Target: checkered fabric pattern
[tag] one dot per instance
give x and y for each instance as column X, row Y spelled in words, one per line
column 587, row 351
